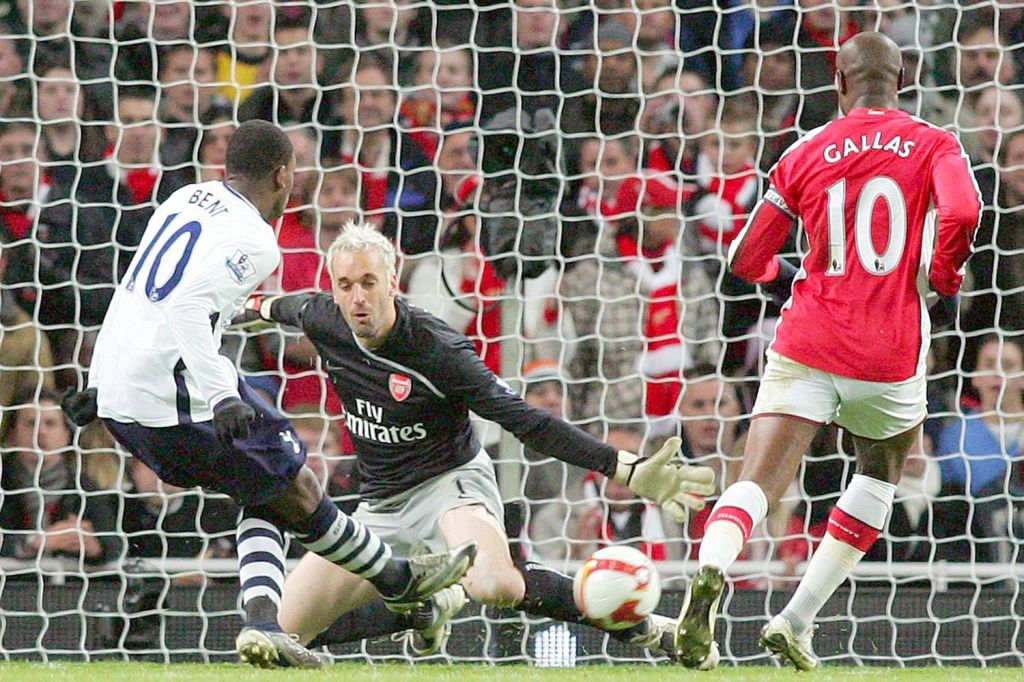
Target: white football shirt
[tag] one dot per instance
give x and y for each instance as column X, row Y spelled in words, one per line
column 156, row 360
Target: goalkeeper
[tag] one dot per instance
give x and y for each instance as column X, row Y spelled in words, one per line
column 408, row 383
column 166, row 395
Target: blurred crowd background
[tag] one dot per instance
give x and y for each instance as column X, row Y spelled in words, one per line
column 669, row 114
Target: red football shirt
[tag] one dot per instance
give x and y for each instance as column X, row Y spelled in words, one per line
column 863, row 186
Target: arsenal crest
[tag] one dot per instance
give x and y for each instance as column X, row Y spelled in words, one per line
column 401, row 386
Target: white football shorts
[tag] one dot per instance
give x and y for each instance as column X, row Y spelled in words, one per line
column 869, row 409
column 411, row 520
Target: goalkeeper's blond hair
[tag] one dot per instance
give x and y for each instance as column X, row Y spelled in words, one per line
column 357, row 237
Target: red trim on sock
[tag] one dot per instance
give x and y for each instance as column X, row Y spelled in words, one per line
column 851, row 530
column 734, row 515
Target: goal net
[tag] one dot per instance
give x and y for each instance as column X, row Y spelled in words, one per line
column 563, row 180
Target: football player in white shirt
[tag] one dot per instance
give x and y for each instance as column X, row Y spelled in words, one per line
column 167, row 395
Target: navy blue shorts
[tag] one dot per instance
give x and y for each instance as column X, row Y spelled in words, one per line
column 254, row 471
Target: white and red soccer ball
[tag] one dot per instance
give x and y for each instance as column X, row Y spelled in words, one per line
column 617, row 587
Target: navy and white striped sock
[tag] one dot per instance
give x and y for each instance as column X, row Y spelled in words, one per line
column 344, row 541
column 260, row 558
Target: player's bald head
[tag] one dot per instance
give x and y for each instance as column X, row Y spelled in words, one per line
column 870, row 57
column 869, row 64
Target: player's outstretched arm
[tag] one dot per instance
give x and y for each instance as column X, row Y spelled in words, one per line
column 250, row 317
column 663, row 478
column 260, row 310
column 959, row 208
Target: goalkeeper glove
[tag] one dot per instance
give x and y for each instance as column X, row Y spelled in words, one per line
column 255, row 313
column 231, row 419
column 676, row 486
column 80, row 406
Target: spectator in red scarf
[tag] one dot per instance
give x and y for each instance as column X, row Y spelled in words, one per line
column 23, row 181
column 325, row 202
column 133, row 142
column 727, row 176
column 442, row 95
column 24, row 186
column 399, row 187
column 729, row 186
column 631, row 354
column 675, row 115
column 458, row 284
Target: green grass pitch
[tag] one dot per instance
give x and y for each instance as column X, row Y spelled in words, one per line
column 355, row 672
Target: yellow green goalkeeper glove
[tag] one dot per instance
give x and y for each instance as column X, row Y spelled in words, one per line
column 676, row 486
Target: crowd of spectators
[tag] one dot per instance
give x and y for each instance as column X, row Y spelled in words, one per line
column 669, row 114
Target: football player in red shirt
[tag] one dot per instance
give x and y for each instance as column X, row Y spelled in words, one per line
column 853, row 338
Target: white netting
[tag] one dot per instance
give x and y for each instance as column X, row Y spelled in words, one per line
column 671, row 109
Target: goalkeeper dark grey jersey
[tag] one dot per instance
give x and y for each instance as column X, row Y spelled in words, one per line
column 407, row 402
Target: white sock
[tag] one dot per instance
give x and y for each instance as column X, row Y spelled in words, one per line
column 854, row 525
column 741, row 507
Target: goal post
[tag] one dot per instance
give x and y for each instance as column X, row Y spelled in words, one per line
column 667, row 111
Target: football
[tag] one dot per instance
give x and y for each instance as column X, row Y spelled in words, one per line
column 617, row 587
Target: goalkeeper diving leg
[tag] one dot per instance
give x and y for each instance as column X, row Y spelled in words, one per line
column 531, row 587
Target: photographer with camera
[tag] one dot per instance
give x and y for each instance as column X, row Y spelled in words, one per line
column 520, row 191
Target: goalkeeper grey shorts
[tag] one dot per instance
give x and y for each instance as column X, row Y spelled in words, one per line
column 411, row 520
